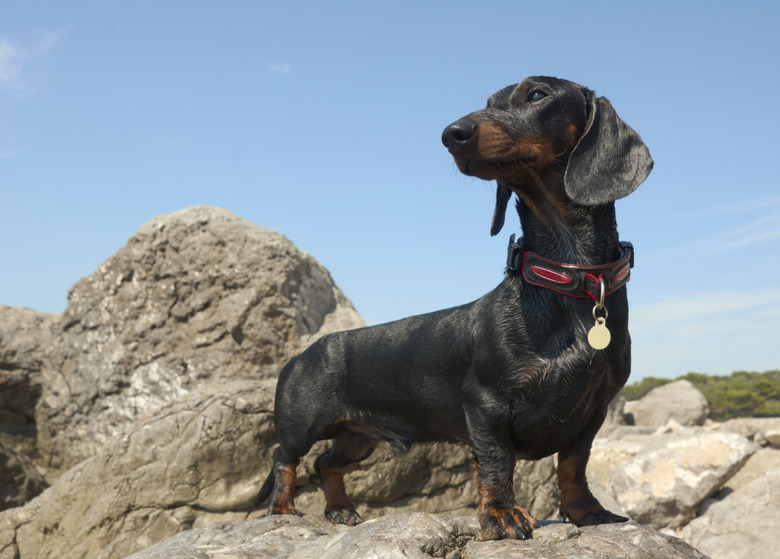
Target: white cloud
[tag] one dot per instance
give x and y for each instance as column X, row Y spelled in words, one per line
column 281, row 68
column 12, row 61
column 15, row 58
column 758, row 230
column 712, row 332
column 8, row 153
column 759, row 203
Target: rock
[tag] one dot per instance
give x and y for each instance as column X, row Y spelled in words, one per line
column 195, row 461
column 608, row 454
column 678, row 400
column 428, row 478
column 25, row 337
column 761, row 430
column 196, row 296
column 764, row 460
column 616, row 416
column 203, row 459
column 415, row 535
column 561, row 541
column 773, row 437
column 743, row 525
column 19, row 480
column 664, row 483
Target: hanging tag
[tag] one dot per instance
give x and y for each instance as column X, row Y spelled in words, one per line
column 599, row 336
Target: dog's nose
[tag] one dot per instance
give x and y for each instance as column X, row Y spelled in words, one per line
column 458, row 133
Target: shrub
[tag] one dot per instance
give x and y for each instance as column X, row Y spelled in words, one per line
column 741, row 394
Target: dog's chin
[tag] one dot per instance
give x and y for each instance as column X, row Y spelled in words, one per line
column 490, row 170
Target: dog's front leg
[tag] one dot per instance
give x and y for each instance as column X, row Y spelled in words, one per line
column 494, row 462
column 578, row 505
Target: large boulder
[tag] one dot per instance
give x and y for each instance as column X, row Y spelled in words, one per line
column 202, row 459
column 196, row 296
column 678, row 400
column 664, row 483
column 25, row 338
column 198, row 460
column 742, row 525
column 412, row 535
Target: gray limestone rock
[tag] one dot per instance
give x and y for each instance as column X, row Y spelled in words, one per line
column 664, row 483
column 412, row 535
column 743, row 524
column 196, row 296
column 25, row 340
column 678, row 400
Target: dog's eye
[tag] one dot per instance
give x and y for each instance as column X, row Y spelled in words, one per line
column 537, row 96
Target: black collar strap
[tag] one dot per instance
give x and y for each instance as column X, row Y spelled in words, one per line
column 570, row 279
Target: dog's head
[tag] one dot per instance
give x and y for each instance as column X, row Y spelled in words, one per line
column 548, row 140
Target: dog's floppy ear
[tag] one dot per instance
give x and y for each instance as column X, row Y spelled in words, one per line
column 609, row 162
column 503, row 194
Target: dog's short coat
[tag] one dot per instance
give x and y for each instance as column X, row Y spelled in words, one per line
column 510, row 374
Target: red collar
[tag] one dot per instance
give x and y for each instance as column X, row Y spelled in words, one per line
column 570, row 279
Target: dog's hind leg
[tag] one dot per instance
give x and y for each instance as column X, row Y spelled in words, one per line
column 348, row 447
column 285, row 481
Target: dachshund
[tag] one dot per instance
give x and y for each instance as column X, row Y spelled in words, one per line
column 527, row 370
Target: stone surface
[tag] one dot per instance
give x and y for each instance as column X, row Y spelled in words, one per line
column 743, row 525
column 607, row 454
column 763, row 461
column 411, row 535
column 428, row 478
column 19, row 480
column 664, row 483
column 761, row 430
column 616, row 417
column 196, row 296
column 678, row 400
column 25, row 338
column 203, row 458
column 194, row 461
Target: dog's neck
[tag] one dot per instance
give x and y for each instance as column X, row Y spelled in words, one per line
column 583, row 235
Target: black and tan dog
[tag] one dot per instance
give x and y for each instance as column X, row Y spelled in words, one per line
column 526, row 371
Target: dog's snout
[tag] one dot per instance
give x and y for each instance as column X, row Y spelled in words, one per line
column 458, row 133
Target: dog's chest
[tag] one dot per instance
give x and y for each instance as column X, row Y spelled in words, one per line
column 557, row 400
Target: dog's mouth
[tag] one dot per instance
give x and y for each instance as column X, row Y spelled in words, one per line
column 495, row 169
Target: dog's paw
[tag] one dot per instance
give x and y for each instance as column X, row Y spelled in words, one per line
column 343, row 516
column 511, row 524
column 277, row 509
column 602, row 516
column 590, row 516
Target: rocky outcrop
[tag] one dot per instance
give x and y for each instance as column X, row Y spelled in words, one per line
column 158, row 395
column 412, row 535
column 25, row 338
column 666, row 481
column 192, row 461
column 202, row 459
column 19, row 480
column 763, row 431
column 678, row 400
column 196, row 296
column 741, row 525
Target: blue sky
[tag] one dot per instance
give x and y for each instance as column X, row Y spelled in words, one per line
column 322, row 120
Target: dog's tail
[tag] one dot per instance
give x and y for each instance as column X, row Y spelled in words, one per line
column 265, row 491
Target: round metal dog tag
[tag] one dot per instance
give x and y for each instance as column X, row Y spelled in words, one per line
column 599, row 337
